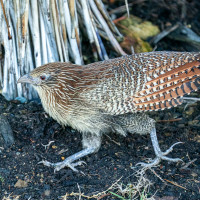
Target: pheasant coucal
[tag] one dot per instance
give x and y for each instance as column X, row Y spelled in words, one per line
column 113, row 96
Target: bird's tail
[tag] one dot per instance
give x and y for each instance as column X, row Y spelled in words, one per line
column 167, row 90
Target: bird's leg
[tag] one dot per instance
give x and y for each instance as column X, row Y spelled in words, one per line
column 159, row 154
column 91, row 144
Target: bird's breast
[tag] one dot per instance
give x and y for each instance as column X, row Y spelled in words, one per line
column 53, row 106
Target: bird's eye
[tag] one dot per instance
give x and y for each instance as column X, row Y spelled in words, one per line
column 42, row 77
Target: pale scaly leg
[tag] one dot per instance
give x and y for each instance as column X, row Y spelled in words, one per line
column 159, row 154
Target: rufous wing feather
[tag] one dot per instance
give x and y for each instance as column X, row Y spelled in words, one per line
column 166, row 90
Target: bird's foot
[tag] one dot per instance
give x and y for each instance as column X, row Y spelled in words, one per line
column 159, row 154
column 60, row 165
column 69, row 162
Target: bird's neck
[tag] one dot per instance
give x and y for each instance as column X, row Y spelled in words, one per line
column 47, row 98
column 52, row 105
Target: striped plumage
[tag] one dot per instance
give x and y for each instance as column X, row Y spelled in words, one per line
column 90, row 98
column 139, row 82
column 145, row 82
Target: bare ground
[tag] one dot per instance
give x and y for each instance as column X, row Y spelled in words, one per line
column 32, row 128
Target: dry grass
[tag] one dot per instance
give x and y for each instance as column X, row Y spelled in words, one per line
column 11, row 197
column 132, row 191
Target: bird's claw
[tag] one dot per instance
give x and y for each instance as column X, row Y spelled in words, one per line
column 60, row 165
column 160, row 156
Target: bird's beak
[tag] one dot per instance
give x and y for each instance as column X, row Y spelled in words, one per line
column 25, row 79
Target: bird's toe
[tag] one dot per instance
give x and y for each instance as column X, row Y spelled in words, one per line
column 60, row 165
column 160, row 156
column 152, row 163
column 170, row 149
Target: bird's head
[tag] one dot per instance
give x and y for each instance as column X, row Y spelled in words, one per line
column 43, row 76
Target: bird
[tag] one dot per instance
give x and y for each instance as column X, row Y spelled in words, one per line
column 115, row 95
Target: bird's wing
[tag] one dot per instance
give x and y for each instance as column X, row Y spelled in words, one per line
column 143, row 82
column 176, row 74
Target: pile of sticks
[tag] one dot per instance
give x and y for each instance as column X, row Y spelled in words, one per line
column 35, row 32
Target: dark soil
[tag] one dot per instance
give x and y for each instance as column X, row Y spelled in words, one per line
column 33, row 128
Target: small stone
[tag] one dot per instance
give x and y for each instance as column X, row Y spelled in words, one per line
column 190, row 111
column 21, row 99
column 21, row 184
column 47, row 192
column 63, row 158
column 23, row 112
column 194, row 174
column 168, row 134
column 6, row 133
column 193, row 122
column 181, row 125
column 197, row 138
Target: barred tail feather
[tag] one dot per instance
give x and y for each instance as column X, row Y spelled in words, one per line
column 166, row 90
